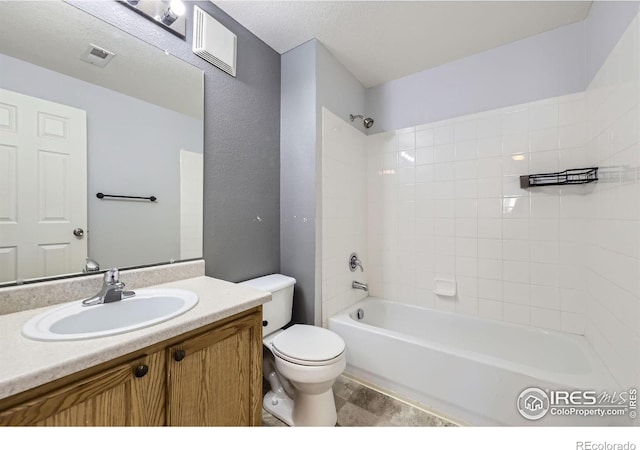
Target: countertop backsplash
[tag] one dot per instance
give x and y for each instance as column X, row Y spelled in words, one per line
column 47, row 293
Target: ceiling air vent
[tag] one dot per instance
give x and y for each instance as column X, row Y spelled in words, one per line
column 213, row 42
column 97, row 56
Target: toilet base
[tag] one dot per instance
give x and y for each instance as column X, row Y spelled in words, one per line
column 279, row 405
column 315, row 410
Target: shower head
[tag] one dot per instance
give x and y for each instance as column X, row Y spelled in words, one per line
column 367, row 122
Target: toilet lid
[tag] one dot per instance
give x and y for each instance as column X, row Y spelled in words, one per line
column 307, row 343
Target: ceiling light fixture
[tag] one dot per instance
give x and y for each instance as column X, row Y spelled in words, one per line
column 168, row 14
column 176, row 9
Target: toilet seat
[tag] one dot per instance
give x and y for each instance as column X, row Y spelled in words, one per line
column 308, row 345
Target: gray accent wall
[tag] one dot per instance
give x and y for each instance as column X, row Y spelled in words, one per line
column 298, row 176
column 311, row 79
column 241, row 142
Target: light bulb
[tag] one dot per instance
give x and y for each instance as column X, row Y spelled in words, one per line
column 177, row 7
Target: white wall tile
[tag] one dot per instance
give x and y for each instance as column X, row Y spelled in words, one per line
column 544, row 162
column 515, row 144
column 406, row 141
column 467, row 305
column 490, row 269
column 489, row 147
column 490, row 228
column 546, row 318
column 572, row 135
column 489, row 167
column 545, row 297
column 489, row 289
column 516, row 271
column 465, row 130
column 445, row 153
column 465, row 170
column 543, row 116
column 514, row 292
column 488, row 125
column 425, row 138
column 489, row 208
column 515, row 164
column 444, row 134
column 544, row 140
column 490, row 248
column 515, row 207
column 466, row 150
column 466, row 188
column 515, row 119
column 516, row 313
column 572, row 322
column 490, row 309
column 444, row 171
column 515, row 250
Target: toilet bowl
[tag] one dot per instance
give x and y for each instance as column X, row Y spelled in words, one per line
column 301, row 363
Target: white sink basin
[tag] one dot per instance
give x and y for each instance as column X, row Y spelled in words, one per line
column 74, row 321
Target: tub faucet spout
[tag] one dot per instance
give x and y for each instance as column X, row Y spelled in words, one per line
column 358, row 285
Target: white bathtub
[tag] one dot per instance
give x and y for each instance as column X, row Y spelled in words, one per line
column 467, row 368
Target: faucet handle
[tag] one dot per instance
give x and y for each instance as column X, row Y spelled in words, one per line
column 354, row 262
column 112, row 276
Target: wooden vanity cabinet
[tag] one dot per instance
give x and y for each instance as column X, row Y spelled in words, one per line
column 114, row 397
column 211, row 376
column 216, row 378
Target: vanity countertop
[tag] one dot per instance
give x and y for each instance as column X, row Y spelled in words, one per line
column 25, row 364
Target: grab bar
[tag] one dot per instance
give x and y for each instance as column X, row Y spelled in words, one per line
column 100, row 195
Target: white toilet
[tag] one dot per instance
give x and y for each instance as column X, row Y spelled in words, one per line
column 301, row 363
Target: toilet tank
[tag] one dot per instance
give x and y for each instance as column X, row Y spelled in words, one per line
column 276, row 313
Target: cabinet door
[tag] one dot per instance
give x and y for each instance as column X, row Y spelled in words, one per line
column 215, row 379
column 125, row 395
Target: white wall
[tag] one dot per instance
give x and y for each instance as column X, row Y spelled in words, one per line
column 191, row 200
column 344, row 218
column 610, row 221
column 445, row 203
column 557, row 62
column 542, row 66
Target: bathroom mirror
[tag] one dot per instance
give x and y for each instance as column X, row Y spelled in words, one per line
column 86, row 108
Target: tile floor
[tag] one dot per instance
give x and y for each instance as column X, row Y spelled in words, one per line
column 361, row 406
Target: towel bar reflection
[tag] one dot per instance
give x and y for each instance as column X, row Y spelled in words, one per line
column 100, row 195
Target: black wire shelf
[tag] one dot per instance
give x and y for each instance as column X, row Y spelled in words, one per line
column 567, row 177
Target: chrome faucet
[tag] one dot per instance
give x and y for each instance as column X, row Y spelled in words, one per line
column 112, row 290
column 358, row 285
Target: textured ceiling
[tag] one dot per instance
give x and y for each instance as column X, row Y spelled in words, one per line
column 380, row 41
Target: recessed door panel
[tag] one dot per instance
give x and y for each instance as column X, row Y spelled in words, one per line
column 8, row 264
column 8, row 187
column 53, row 187
column 50, row 126
column 55, row 259
column 7, row 117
